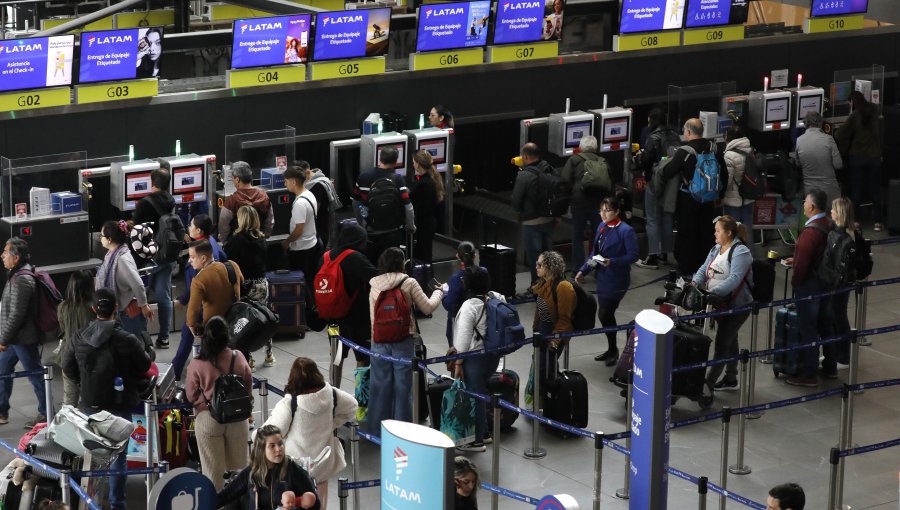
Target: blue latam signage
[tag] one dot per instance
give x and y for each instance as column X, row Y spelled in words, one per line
column 650, row 411
column 416, row 467
column 182, row 488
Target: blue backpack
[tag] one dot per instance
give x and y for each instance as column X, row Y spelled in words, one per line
column 706, row 183
column 503, row 325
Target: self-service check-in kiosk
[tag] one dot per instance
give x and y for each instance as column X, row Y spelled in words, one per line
column 434, row 140
column 189, row 183
column 129, row 182
column 567, row 129
column 770, row 110
column 613, row 128
column 370, row 147
column 804, row 100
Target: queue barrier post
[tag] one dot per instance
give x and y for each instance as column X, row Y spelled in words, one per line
column 598, row 467
column 149, row 412
column 495, row 449
column 332, row 349
column 843, row 443
column 702, row 490
column 723, row 470
column 416, row 389
column 739, row 468
column 264, row 398
column 354, row 461
column 863, row 309
column 342, row 493
column 770, row 319
column 64, row 477
column 48, row 391
column 832, row 489
column 535, row 451
column 624, row 492
column 754, row 344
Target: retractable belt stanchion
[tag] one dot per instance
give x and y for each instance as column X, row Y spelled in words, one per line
column 702, row 489
column 832, row 487
column 846, row 439
column 566, row 356
column 333, row 346
column 151, row 444
column 495, row 449
column 864, row 341
column 48, row 391
column 751, row 385
column 624, row 492
column 723, row 470
column 772, row 258
column 415, row 388
column 342, row 493
column 354, row 460
column 598, row 467
column 64, row 486
column 837, row 481
column 535, row 451
column 263, row 399
column 739, row 468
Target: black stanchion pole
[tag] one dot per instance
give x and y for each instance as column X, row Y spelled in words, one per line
column 416, row 389
column 843, row 441
column 832, row 489
column 864, row 308
column 495, row 449
column 354, row 460
column 342, row 492
column 702, row 489
column 333, row 344
column 625, row 491
column 770, row 316
column 598, row 467
column 723, row 470
column 535, row 451
column 754, row 345
column 739, row 468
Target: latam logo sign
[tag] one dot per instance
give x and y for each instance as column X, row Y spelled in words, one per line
column 110, row 39
column 443, row 12
column 520, row 5
column 256, row 27
column 401, row 460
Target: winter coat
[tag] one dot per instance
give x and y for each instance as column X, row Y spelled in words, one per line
column 735, row 163
column 17, row 325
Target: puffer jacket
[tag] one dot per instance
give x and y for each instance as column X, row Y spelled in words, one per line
column 17, row 315
column 735, row 164
column 411, row 290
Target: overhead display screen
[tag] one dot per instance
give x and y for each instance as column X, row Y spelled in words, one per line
column 651, row 15
column 520, row 21
column 120, row 54
column 452, row 26
column 351, row 34
column 36, row 62
column 261, row 42
column 836, row 7
column 710, row 13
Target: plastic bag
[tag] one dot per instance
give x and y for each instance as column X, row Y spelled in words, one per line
column 458, row 414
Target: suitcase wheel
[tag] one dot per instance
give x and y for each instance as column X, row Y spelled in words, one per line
column 705, row 401
column 776, row 372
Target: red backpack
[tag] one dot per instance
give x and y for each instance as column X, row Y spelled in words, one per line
column 332, row 301
column 392, row 316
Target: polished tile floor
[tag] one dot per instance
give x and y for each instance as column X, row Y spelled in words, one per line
column 788, row 444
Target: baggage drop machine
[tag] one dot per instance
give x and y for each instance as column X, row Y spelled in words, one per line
column 190, row 183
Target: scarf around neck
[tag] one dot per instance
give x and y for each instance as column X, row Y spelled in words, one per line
column 106, row 274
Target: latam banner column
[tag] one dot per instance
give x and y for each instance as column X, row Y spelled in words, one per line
column 650, row 411
column 416, row 467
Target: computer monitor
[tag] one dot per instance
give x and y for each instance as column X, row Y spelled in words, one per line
column 137, row 186
column 577, row 130
column 187, row 179
column 806, row 104
column 711, row 13
column 523, row 21
column 351, row 34
column 454, row 25
column 401, row 154
column 615, row 130
column 123, row 54
column 279, row 40
column 36, row 63
column 651, row 15
column 838, row 7
column 437, row 147
column 777, row 109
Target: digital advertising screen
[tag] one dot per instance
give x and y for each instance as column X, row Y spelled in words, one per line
column 188, row 179
column 260, row 42
column 575, row 131
column 120, row 54
column 806, row 104
column 710, row 13
column 651, row 15
column 777, row 110
column 837, row 7
column 615, row 130
column 351, row 34
column 36, row 62
column 519, row 21
column 137, row 185
column 437, row 148
column 452, row 26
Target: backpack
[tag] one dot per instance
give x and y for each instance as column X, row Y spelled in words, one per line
column 502, row 327
column 230, row 402
column 864, row 262
column 169, row 236
column 391, row 317
column 98, row 374
column 705, row 185
column 763, row 287
column 838, row 267
column 585, row 312
column 47, row 299
column 753, row 185
column 385, row 205
column 552, row 193
column 668, row 145
column 595, row 181
column 789, row 176
column 329, row 293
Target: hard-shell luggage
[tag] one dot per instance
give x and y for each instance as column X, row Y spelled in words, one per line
column 500, row 262
column 566, row 401
column 787, row 334
column 690, row 345
column 10, row 493
column 287, row 297
column 435, row 391
column 506, row 383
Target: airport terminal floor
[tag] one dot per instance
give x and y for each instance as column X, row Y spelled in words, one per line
column 786, row 444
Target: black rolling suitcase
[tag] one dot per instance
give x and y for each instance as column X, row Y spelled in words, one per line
column 787, row 334
column 500, row 262
column 287, row 298
column 690, row 345
column 420, row 271
column 566, row 401
column 506, row 383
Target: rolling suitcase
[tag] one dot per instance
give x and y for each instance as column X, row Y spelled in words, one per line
column 566, row 401
column 421, row 272
column 287, row 297
column 506, row 383
column 10, row 493
column 787, row 334
column 435, row 391
column 500, row 262
column 690, row 345
column 421, row 353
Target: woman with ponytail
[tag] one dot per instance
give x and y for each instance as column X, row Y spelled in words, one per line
column 455, row 289
column 426, row 191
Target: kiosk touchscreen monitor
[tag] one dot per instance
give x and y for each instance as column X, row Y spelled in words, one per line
column 770, row 110
column 401, row 153
column 370, row 147
column 777, row 109
column 188, row 176
column 137, row 185
column 651, row 15
column 808, row 104
column 712, row 13
column 837, row 8
column 187, row 179
column 615, row 130
column 566, row 130
column 129, row 182
column 36, row 62
column 437, row 147
column 273, row 41
column 575, row 131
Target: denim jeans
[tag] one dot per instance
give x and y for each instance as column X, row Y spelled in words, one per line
column 536, row 240
column 161, row 283
column 134, row 325
column 743, row 214
column 866, row 173
column 476, row 372
column 580, row 216
column 660, row 235
column 183, row 354
column 390, row 385
column 117, row 483
column 30, row 357
column 808, row 315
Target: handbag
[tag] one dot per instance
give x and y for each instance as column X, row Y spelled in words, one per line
column 251, row 324
column 458, row 414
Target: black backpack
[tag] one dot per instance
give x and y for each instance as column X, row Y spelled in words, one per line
column 753, row 185
column 385, row 206
column 763, row 287
column 585, row 314
column 864, row 262
column 553, row 194
column 98, row 374
column 169, row 236
column 231, row 401
column 838, row 267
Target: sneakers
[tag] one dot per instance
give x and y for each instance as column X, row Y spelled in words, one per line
column 878, row 227
column 726, row 385
column 488, row 439
column 528, row 294
column 4, row 420
column 162, row 344
column 651, row 262
column 34, row 421
column 474, row 446
column 808, row 382
column 269, row 361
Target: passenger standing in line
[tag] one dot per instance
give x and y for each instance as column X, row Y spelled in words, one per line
column 212, row 292
column 616, row 244
column 658, row 212
column 455, row 289
column 222, row 446
column 74, row 313
column 20, row 339
column 426, row 192
column 245, row 194
column 737, row 149
column 585, row 203
column 302, row 243
column 149, row 210
column 693, row 219
column 323, row 189
column 860, row 140
column 819, row 158
column 842, row 216
column 533, row 211
column 119, row 272
column 555, row 298
column 390, row 395
column 808, row 253
column 727, row 274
